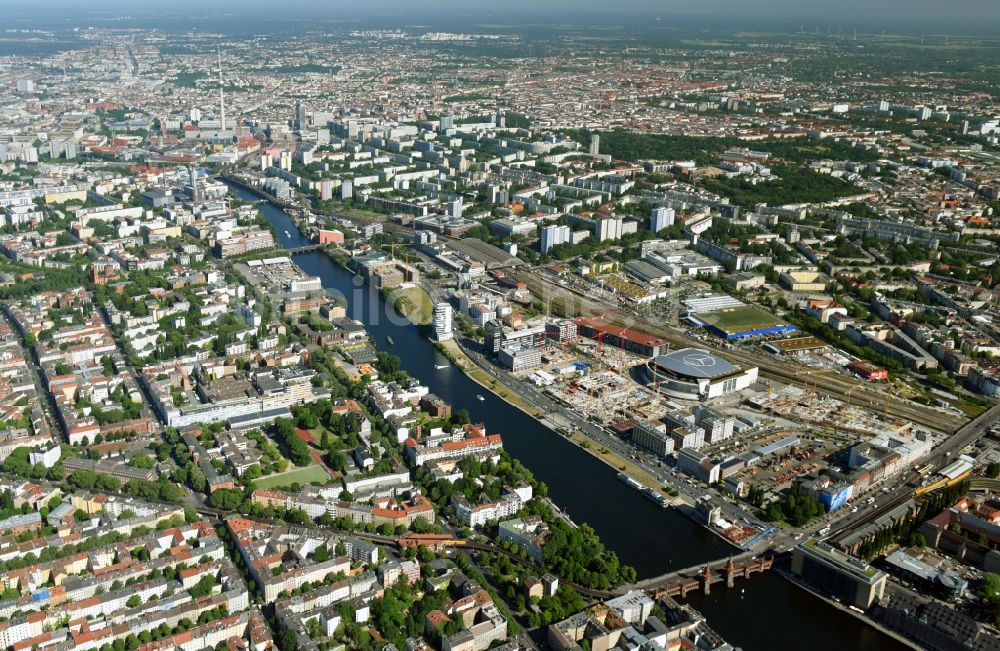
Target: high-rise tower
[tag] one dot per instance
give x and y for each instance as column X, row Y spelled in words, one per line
column 300, row 116
column 222, row 96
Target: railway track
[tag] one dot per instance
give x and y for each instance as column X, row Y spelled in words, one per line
column 822, row 382
column 851, row 391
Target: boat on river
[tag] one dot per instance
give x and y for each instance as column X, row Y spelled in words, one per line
column 648, row 493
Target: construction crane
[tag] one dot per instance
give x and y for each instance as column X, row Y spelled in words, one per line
column 885, row 403
column 621, row 341
column 846, row 402
column 601, row 333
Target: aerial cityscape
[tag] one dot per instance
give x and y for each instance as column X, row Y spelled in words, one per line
column 377, row 326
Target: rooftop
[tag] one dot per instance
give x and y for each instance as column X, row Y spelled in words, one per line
column 696, row 362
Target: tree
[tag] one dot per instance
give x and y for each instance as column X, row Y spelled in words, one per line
column 203, row 587
column 142, row 461
column 287, row 640
column 336, row 460
column 990, row 594
column 294, row 447
column 421, row 525
column 196, row 477
column 795, row 507
column 133, row 601
column 993, row 469
column 252, row 472
column 228, row 499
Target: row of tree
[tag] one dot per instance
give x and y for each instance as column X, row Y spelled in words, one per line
column 796, row 507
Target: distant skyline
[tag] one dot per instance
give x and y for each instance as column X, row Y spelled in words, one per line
column 980, row 15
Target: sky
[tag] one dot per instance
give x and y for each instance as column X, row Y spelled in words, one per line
column 888, row 14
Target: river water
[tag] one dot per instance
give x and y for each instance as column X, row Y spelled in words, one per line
column 765, row 612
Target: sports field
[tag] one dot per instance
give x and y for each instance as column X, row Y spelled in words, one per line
column 301, row 476
column 740, row 319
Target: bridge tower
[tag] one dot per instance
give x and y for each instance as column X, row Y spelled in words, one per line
column 706, row 579
column 730, row 573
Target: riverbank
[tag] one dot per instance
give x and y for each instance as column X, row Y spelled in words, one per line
column 472, row 370
column 652, row 540
column 620, row 463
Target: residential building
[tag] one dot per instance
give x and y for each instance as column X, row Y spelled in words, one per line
column 553, row 236
column 443, row 321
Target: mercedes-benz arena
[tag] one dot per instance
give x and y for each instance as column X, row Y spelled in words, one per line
column 697, row 374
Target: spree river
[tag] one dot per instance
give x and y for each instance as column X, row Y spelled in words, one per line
column 765, row 612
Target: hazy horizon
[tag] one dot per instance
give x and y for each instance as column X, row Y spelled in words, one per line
column 974, row 15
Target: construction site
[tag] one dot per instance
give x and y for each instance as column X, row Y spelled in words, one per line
column 781, row 434
column 821, row 412
column 604, row 395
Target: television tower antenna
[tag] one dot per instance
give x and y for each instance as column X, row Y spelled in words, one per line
column 222, row 96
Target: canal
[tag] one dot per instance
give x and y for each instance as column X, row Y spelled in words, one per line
column 765, row 612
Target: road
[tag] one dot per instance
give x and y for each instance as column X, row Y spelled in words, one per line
column 136, row 377
column 47, row 400
column 903, row 488
column 665, row 475
column 841, row 521
column 841, row 387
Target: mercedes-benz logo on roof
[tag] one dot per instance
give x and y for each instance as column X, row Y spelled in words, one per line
column 699, row 360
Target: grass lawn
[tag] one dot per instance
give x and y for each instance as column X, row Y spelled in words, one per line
column 480, row 376
column 739, row 319
column 304, row 476
column 633, row 469
column 414, row 304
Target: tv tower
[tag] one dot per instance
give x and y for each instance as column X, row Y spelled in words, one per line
column 222, row 96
